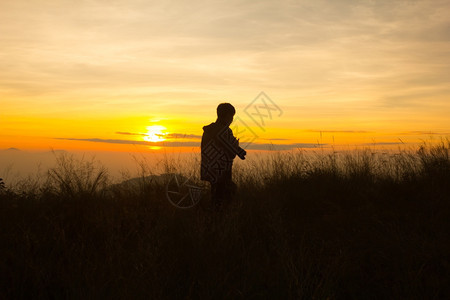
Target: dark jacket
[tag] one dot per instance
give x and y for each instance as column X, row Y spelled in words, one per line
column 218, row 149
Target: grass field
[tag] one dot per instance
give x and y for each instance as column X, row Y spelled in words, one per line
column 352, row 225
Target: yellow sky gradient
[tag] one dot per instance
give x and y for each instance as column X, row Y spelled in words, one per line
column 94, row 75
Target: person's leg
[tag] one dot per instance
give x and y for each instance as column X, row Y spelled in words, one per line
column 228, row 192
column 219, row 194
column 215, row 195
column 231, row 190
column 222, row 192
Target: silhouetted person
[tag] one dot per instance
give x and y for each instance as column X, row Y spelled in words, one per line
column 219, row 147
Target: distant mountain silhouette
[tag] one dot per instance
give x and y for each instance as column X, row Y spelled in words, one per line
column 138, row 181
column 13, row 149
column 161, row 179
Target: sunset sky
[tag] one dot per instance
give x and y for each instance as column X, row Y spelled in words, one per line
column 128, row 74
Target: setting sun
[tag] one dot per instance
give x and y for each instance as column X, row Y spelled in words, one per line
column 155, row 133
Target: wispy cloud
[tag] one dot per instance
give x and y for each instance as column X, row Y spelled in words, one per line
column 180, row 136
column 131, row 142
column 337, row 131
column 253, row 146
column 277, row 139
column 167, row 136
column 418, row 132
column 131, row 133
column 276, row 147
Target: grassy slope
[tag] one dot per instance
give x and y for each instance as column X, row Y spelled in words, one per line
column 355, row 226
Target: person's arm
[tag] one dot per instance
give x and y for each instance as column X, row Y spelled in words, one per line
column 237, row 149
column 241, row 153
column 230, row 144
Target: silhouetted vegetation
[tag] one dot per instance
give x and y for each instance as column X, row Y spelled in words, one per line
column 356, row 225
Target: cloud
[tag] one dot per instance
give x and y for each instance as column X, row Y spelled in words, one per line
column 180, row 136
column 167, row 136
column 418, row 132
column 337, row 131
column 277, row 139
column 130, row 133
column 252, row 146
column 131, row 142
column 279, row 147
column 382, row 143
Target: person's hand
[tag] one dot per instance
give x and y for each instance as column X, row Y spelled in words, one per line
column 242, row 154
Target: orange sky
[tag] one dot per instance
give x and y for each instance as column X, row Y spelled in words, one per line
column 96, row 75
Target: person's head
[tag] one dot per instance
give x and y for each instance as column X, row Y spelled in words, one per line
column 225, row 113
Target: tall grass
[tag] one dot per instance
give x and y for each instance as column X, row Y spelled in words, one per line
column 339, row 225
column 76, row 177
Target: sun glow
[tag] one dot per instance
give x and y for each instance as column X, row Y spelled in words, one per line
column 155, row 133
